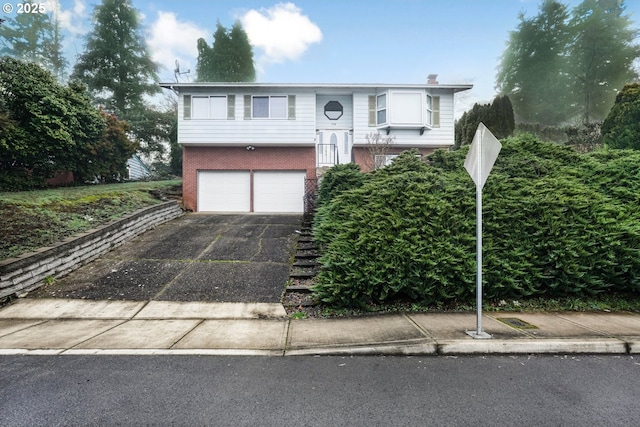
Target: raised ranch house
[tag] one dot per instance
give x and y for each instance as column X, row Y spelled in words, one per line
column 259, row 147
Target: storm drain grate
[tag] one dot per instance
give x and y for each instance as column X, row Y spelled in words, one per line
column 516, row 323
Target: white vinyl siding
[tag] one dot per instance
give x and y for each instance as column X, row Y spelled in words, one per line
column 297, row 128
column 436, row 136
column 309, row 117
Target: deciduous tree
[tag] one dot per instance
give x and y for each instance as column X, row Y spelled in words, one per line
column 44, row 125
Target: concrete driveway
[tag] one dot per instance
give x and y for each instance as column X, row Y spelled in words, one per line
column 197, row 257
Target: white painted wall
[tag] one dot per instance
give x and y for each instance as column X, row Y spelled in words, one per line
column 240, row 131
column 344, row 122
column 309, row 117
column 432, row 137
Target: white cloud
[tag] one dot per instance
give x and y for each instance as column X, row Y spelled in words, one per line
column 282, row 32
column 71, row 20
column 171, row 39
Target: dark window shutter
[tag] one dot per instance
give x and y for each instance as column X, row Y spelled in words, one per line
column 372, row 110
column 247, row 107
column 187, row 107
column 231, row 107
column 292, row 107
column 436, row 111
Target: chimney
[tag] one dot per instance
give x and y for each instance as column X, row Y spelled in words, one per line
column 431, row 79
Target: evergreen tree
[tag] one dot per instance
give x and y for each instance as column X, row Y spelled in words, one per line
column 229, row 59
column 534, row 68
column 559, row 67
column 496, row 116
column 34, row 37
column 116, row 65
column 602, row 55
column 621, row 128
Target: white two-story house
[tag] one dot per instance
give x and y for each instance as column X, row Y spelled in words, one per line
column 256, row 147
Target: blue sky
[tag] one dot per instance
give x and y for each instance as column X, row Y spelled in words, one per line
column 334, row 41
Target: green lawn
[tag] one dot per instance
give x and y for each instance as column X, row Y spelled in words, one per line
column 33, row 219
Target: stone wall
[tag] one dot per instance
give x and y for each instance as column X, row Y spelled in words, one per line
column 29, row 271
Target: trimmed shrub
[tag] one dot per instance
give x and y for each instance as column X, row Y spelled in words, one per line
column 338, row 179
column 554, row 225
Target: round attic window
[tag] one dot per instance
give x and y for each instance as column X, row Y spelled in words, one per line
column 333, row 110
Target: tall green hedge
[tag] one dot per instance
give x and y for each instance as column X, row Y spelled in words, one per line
column 556, row 223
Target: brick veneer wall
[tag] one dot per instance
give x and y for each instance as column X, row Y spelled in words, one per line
column 362, row 155
column 28, row 271
column 239, row 158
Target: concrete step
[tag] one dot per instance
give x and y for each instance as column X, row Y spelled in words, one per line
column 302, row 289
column 302, row 274
column 306, row 263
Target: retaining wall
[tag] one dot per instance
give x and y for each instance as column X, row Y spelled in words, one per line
column 29, row 271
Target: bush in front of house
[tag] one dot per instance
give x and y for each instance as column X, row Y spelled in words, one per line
column 338, row 179
column 554, row 225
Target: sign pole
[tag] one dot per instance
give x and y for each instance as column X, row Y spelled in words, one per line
column 479, row 333
column 479, row 248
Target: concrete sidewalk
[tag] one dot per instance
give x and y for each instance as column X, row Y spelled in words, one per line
column 81, row 327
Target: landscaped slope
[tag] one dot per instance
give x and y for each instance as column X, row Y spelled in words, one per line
column 32, row 219
column 556, row 224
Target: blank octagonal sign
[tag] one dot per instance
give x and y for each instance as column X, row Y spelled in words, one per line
column 333, row 110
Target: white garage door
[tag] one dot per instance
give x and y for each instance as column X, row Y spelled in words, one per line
column 278, row 191
column 224, row 191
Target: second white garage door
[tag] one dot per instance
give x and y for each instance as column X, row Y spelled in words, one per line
column 278, row 191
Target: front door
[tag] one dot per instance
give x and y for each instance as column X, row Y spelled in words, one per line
column 333, row 147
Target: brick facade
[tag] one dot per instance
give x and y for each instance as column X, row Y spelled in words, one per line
column 363, row 157
column 195, row 159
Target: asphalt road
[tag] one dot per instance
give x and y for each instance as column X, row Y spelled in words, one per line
column 319, row 391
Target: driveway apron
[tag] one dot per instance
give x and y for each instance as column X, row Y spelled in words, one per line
column 197, row 257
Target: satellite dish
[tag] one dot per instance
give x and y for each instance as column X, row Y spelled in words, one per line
column 177, row 71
